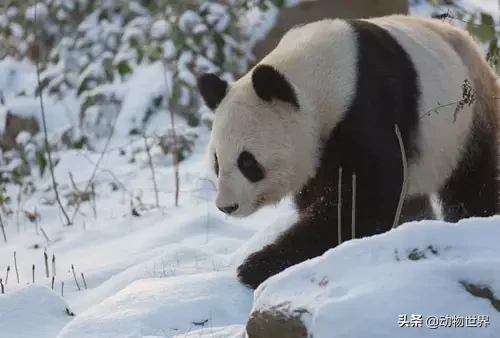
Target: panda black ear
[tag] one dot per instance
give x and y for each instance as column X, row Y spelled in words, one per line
column 270, row 84
column 212, row 89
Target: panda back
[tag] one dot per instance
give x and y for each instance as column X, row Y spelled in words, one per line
column 442, row 131
column 391, row 68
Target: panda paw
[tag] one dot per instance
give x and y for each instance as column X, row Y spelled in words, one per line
column 261, row 265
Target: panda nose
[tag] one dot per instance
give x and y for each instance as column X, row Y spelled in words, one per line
column 229, row 209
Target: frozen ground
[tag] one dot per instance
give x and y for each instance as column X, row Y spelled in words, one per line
column 170, row 271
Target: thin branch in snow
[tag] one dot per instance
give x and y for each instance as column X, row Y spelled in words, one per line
column 404, row 186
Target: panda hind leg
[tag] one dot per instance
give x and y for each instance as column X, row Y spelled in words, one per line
column 472, row 190
column 417, row 208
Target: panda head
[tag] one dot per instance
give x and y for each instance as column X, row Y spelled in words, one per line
column 261, row 146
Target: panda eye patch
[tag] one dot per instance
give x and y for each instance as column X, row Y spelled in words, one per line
column 249, row 167
column 216, row 165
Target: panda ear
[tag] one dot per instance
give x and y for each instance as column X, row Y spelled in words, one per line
column 270, row 84
column 212, row 89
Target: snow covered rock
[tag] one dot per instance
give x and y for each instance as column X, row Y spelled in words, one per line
column 424, row 279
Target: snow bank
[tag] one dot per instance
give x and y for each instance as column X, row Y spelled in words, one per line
column 165, row 307
column 398, row 284
column 232, row 331
column 31, row 310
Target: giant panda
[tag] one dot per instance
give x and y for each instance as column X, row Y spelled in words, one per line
column 329, row 96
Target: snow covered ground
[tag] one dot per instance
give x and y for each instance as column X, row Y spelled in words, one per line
column 170, row 271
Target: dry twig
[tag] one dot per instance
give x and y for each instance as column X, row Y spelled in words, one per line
column 353, row 207
column 339, row 207
column 45, row 132
column 404, row 186
column 3, row 229
column 151, row 166
column 175, row 154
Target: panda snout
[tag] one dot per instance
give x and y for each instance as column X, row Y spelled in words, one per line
column 229, row 209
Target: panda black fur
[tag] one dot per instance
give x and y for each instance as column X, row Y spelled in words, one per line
column 329, row 96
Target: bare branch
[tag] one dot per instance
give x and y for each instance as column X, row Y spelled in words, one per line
column 44, row 234
column 46, row 261
column 404, row 186
column 353, row 207
column 7, row 274
column 94, row 202
column 339, row 207
column 3, row 229
column 84, row 280
column 175, row 154
column 151, row 166
column 15, row 266
column 91, row 179
column 74, row 276
column 44, row 122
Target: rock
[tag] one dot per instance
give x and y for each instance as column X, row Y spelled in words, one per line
column 309, row 11
column 276, row 322
column 15, row 124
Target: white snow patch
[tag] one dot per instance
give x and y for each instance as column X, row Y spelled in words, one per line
column 23, row 138
column 16, row 76
column 146, row 83
column 160, row 28
column 165, row 307
column 231, row 331
column 38, row 11
column 259, row 23
column 27, row 312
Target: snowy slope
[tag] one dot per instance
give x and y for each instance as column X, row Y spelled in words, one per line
column 165, row 306
column 170, row 271
column 32, row 310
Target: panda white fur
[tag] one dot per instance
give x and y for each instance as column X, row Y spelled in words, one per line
column 329, row 95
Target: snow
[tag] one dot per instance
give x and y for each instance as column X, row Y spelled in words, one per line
column 61, row 116
column 23, row 138
column 230, row 331
column 154, row 274
column 16, row 77
column 38, row 11
column 32, row 310
column 204, row 299
column 153, row 77
column 159, row 29
column 259, row 23
column 375, row 279
column 489, row 6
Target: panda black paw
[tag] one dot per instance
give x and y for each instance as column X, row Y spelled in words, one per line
column 261, row 265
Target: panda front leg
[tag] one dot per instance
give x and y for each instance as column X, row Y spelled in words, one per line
column 316, row 231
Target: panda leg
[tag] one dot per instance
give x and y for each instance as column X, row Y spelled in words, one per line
column 472, row 190
column 416, row 208
column 316, row 231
